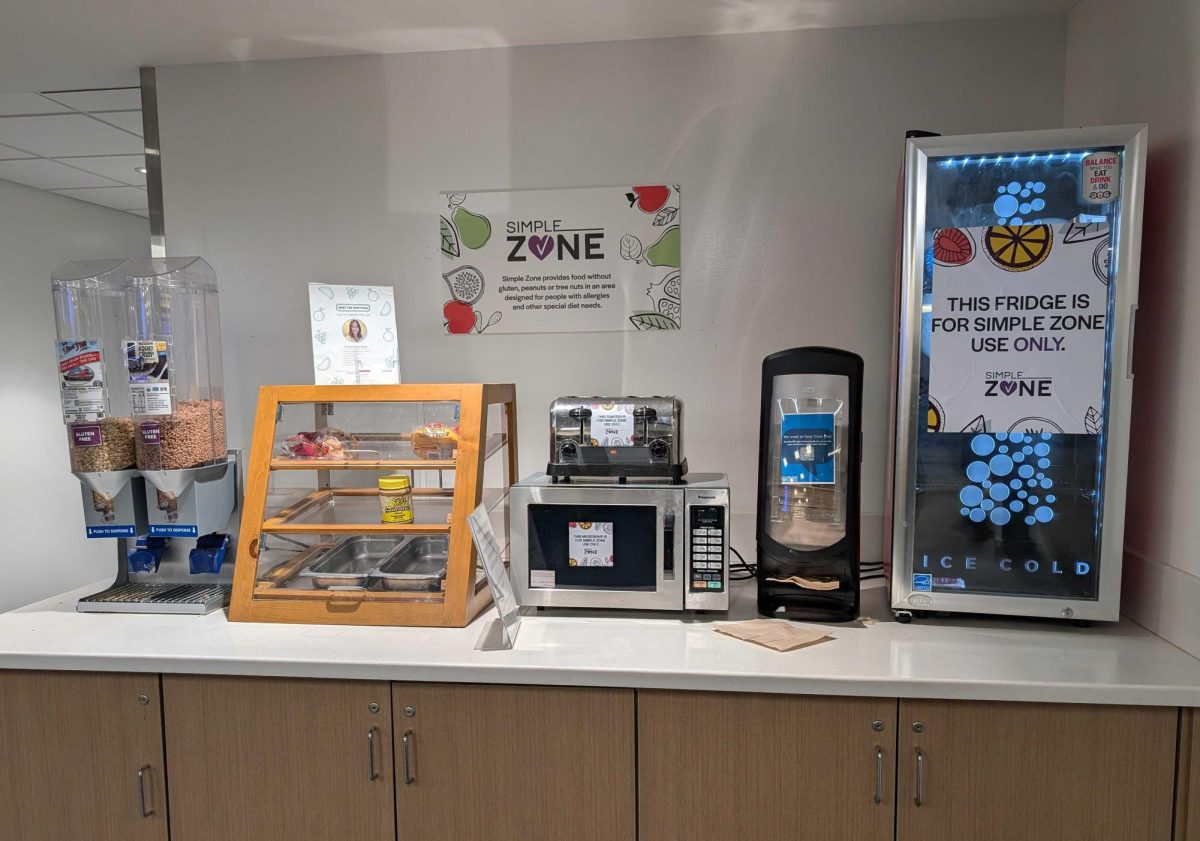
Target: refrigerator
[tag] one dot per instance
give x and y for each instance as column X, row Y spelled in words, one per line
column 1016, row 299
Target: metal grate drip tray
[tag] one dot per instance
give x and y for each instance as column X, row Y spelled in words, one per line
column 157, row 598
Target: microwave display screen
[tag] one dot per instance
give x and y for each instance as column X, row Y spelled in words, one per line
column 593, row 547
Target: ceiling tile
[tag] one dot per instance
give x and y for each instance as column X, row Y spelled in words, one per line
column 48, row 175
column 7, row 153
column 116, row 99
column 128, row 120
column 121, row 168
column 62, row 135
column 27, row 103
column 121, row 198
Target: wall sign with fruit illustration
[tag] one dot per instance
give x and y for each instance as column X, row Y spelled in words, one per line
column 562, row 261
column 353, row 334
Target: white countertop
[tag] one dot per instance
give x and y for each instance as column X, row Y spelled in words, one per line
column 976, row 658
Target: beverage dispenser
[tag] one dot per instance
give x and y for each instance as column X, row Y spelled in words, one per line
column 810, row 439
column 89, row 314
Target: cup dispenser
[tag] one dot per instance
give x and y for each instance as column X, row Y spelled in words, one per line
column 810, row 453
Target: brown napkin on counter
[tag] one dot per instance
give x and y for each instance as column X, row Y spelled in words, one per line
column 779, row 634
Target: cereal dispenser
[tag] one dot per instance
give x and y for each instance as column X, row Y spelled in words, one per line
column 173, row 357
column 89, row 313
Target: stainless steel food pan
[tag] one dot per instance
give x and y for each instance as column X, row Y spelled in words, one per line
column 351, row 561
column 420, row 564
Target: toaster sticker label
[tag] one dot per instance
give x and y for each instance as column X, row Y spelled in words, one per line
column 612, row 425
column 807, row 454
column 590, row 544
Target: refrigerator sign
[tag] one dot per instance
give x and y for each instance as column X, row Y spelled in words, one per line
column 1100, row 179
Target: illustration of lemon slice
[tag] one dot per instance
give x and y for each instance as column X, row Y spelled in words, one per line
column 1018, row 248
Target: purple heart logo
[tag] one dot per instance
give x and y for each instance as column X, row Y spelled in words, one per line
column 541, row 246
column 1008, row 387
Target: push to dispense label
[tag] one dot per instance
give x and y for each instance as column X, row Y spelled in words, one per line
column 173, row 531
column 111, row 531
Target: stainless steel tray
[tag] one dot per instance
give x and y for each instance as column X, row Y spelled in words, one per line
column 349, row 564
column 420, row 565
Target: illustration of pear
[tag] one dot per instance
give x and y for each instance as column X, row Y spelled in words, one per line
column 466, row 284
column 473, row 230
column 665, row 252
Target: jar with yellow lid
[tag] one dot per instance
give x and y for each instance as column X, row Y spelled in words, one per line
column 395, row 499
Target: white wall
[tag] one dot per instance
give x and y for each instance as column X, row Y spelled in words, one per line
column 1131, row 63
column 786, row 145
column 45, row 551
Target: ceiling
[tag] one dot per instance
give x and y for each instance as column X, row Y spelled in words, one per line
column 85, row 145
column 59, row 45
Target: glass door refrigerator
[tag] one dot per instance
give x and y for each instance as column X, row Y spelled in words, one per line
column 1017, row 290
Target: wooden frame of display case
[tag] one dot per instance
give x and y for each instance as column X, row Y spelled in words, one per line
column 463, row 595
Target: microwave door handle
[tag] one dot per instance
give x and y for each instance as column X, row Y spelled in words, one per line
column 668, row 546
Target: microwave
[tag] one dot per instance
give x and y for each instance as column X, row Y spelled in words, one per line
column 636, row 545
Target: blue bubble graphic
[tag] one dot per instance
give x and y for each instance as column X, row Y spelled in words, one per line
column 1014, row 186
column 1025, row 206
column 1025, row 471
column 977, row 471
column 1045, row 436
column 1004, row 448
column 985, row 484
column 987, row 505
column 1000, row 516
column 999, row 492
column 1039, row 187
column 1047, row 484
column 1001, row 436
column 1005, row 206
column 978, row 515
column 1016, row 220
column 970, row 496
column 1033, row 500
column 1014, row 484
column 1043, row 463
column 1039, row 204
column 1050, row 498
column 982, row 445
column 1015, row 505
column 964, row 511
column 1022, row 494
column 1031, row 483
column 1018, row 457
column 1029, row 521
column 1001, row 465
column 1043, row 514
column 1042, row 449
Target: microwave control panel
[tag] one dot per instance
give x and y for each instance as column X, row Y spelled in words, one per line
column 707, row 556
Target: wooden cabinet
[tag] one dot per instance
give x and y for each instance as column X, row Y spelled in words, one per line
column 514, row 763
column 728, row 766
column 81, row 757
column 253, row 759
column 981, row 771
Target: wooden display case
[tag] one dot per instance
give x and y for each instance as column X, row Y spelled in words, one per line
column 313, row 546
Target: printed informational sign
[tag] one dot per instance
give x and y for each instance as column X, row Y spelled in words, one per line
column 561, row 261
column 81, row 381
column 1100, row 179
column 353, row 334
column 808, row 452
column 1017, row 340
column 490, row 554
column 148, row 361
column 612, row 424
column 590, row 544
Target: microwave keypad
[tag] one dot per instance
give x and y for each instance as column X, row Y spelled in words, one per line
column 707, row 547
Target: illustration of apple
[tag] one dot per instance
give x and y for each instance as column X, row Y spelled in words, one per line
column 649, row 199
column 460, row 318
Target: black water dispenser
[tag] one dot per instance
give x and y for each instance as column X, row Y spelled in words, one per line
column 809, row 472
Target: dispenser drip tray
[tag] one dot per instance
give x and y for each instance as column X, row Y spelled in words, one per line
column 157, row 598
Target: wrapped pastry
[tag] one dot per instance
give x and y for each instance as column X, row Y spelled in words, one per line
column 435, row 441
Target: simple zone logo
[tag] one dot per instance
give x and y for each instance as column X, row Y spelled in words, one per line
column 1016, row 384
column 542, row 238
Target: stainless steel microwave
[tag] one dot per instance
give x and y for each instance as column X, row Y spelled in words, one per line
column 640, row 545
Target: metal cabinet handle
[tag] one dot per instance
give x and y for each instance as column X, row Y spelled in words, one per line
column 878, row 774
column 405, row 758
column 920, row 798
column 372, row 773
column 141, row 780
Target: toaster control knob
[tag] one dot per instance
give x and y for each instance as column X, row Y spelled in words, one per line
column 568, row 450
column 659, row 448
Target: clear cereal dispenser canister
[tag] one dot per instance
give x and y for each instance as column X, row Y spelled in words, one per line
column 89, row 314
column 173, row 356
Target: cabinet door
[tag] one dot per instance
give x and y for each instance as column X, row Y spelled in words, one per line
column 726, row 766
column 1187, row 797
column 981, row 771
column 514, row 763
column 253, row 759
column 81, row 756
